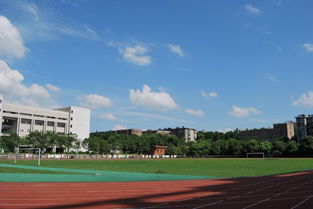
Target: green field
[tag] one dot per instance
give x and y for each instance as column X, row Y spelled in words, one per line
column 30, row 171
column 196, row 167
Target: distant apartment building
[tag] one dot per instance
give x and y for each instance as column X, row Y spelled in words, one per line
column 137, row 132
column 304, row 126
column 279, row 130
column 24, row 120
column 189, row 134
column 161, row 132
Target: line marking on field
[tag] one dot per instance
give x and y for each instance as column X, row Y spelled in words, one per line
column 209, row 204
column 279, row 194
column 256, row 203
column 303, row 201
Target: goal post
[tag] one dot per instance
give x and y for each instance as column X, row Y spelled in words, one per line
column 17, row 150
column 255, row 155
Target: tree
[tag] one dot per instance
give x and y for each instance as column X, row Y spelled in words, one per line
column 92, row 143
column 104, row 147
column 307, row 146
column 173, row 150
column 251, row 145
column 278, row 148
column 232, row 147
column 291, row 148
column 265, row 146
column 217, row 147
column 9, row 141
column 37, row 139
column 205, row 147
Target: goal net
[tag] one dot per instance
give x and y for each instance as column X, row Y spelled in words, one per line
column 36, row 155
column 255, row 155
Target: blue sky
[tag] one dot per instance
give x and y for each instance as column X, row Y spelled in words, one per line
column 211, row 65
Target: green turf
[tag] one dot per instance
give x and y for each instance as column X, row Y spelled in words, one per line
column 86, row 175
column 30, row 171
column 197, row 167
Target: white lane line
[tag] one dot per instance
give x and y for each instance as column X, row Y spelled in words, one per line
column 209, row 204
column 278, row 194
column 302, row 202
column 256, row 203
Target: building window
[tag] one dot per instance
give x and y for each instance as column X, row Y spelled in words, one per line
column 50, row 123
column 41, row 116
column 71, row 126
column 21, row 113
column 26, row 121
column 39, row 122
column 10, row 112
column 61, row 125
column 71, row 118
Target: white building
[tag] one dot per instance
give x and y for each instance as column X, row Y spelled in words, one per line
column 23, row 120
column 189, row 134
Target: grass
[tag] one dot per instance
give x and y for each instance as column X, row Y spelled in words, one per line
column 198, row 167
column 30, row 171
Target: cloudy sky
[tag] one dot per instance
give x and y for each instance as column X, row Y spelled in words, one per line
column 212, row 65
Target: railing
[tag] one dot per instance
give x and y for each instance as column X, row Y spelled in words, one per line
column 27, row 156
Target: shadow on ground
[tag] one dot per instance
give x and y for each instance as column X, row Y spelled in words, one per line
column 281, row 191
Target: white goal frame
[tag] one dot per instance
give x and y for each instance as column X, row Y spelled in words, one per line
column 31, row 148
column 255, row 153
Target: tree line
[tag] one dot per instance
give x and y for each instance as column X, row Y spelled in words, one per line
column 46, row 141
column 207, row 144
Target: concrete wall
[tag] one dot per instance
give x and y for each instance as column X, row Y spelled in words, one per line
column 23, row 120
column 1, row 108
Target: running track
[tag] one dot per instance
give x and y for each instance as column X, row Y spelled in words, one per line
column 270, row 192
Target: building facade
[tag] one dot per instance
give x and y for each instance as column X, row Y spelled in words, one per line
column 189, row 134
column 304, row 126
column 24, row 120
column 279, row 130
column 137, row 132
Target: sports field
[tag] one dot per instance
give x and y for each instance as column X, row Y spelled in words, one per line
column 163, row 183
column 157, row 183
column 194, row 167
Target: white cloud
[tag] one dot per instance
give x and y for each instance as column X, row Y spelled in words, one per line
column 253, row 10
column 108, row 116
column 198, row 113
column 242, row 112
column 209, row 95
column 119, row 127
column 176, row 49
column 136, row 55
column 308, row 47
column 161, row 101
column 95, row 101
column 272, row 78
column 305, row 100
column 11, row 43
column 14, row 91
column 32, row 9
column 45, row 23
column 53, row 88
column 225, row 130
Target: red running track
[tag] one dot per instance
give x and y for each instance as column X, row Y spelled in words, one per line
column 267, row 192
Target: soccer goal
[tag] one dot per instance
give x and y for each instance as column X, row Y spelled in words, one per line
column 255, row 155
column 37, row 151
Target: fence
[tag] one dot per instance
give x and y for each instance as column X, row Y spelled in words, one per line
column 27, row 156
